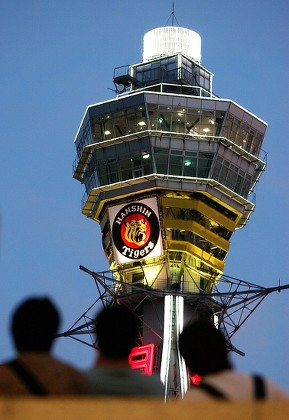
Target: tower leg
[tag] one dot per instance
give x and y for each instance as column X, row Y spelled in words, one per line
column 173, row 371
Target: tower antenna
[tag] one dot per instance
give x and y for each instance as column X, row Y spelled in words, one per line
column 173, row 16
column 173, row 13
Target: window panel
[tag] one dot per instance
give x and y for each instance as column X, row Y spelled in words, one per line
column 125, row 167
column 147, row 162
column 103, row 172
column 224, row 172
column 190, row 166
column 113, row 171
column 176, row 165
column 204, row 164
column 161, row 160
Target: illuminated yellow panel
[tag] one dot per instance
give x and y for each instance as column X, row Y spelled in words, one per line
column 202, row 208
column 200, row 230
column 199, row 254
column 89, row 203
column 80, row 169
column 152, row 273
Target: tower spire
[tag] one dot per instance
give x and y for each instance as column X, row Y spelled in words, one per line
column 173, row 13
column 172, row 16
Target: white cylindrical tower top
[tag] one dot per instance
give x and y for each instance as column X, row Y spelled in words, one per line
column 170, row 40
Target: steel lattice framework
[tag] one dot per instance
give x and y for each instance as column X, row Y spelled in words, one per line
column 234, row 300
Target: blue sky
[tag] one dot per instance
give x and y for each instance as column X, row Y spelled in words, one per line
column 57, row 57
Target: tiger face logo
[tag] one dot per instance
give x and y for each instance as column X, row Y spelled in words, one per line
column 135, row 231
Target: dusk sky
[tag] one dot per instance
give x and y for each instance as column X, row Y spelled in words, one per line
column 58, row 57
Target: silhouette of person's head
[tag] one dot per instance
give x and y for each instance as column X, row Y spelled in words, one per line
column 34, row 325
column 203, row 348
column 116, row 331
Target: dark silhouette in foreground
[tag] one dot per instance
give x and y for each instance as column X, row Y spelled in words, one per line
column 35, row 371
column 117, row 331
column 204, row 350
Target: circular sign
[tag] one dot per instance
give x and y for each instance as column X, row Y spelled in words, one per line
column 135, row 230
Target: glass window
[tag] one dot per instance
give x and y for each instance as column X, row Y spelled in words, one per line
column 103, row 173
column 217, row 168
column 219, row 122
column 137, row 169
column 97, row 130
column 119, row 124
column 161, row 157
column 228, row 126
column 107, row 127
column 250, row 141
column 171, row 69
column 86, row 139
column 239, row 182
column 224, row 172
column 231, row 179
column 131, row 121
column 113, row 171
column 242, row 135
column 190, row 164
column 204, row 79
column 256, row 146
column 176, row 163
column 180, row 119
column 141, row 119
column 148, row 72
column 152, row 111
column 164, row 118
column 204, row 164
column 193, row 120
column 91, row 183
column 147, row 162
column 246, row 185
column 125, row 168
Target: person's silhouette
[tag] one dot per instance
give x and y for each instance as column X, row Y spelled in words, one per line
column 205, row 352
column 116, row 332
column 35, row 370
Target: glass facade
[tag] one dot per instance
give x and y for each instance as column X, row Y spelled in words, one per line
column 169, row 113
column 129, row 150
column 171, row 70
column 139, row 158
column 156, row 116
column 155, row 129
column 243, row 135
column 182, row 163
column 232, row 176
column 147, row 160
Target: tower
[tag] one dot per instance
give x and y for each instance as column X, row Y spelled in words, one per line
column 169, row 170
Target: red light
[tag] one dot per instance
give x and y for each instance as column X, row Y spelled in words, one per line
column 196, row 379
column 142, row 358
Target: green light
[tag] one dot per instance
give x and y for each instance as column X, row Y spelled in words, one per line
column 161, row 119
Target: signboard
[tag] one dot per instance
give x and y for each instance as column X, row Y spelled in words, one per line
column 135, row 230
column 142, row 359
